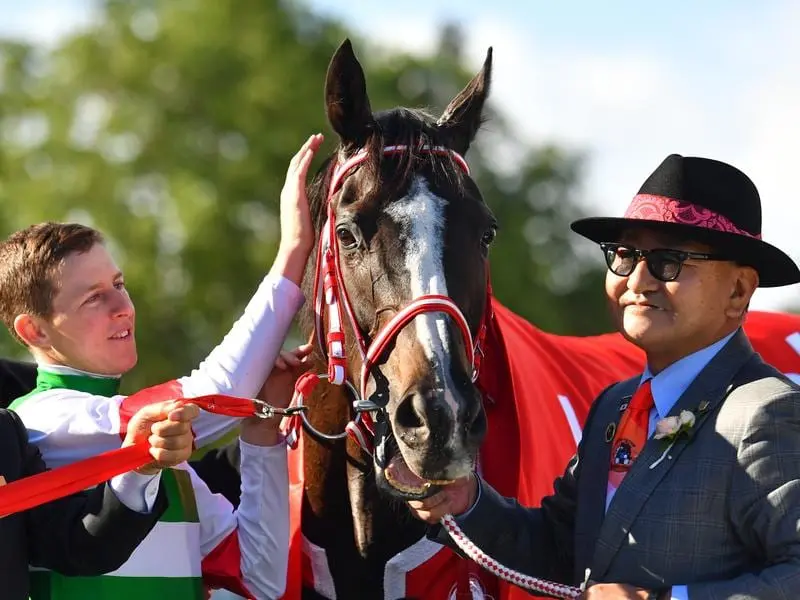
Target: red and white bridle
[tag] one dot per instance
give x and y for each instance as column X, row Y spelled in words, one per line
column 330, row 295
column 331, row 299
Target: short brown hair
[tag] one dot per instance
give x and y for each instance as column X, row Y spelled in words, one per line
column 29, row 260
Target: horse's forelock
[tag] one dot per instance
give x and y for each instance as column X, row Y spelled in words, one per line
column 412, row 128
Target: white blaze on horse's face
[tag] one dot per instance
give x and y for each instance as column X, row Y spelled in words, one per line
column 420, row 217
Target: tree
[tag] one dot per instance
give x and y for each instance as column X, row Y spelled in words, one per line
column 168, row 126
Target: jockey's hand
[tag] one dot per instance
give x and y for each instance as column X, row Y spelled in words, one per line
column 277, row 391
column 297, row 230
column 453, row 499
column 167, row 426
column 279, row 386
column 613, row 591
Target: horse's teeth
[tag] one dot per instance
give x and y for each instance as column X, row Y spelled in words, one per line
column 405, row 488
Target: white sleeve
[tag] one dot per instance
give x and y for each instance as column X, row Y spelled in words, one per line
column 136, row 491
column 240, row 364
column 262, row 519
column 68, row 425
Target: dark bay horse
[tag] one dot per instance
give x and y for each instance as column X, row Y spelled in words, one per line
column 405, row 317
column 409, row 222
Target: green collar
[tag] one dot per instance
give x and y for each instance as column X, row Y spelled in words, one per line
column 98, row 386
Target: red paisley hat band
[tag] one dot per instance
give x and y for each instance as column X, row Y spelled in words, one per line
column 650, row 207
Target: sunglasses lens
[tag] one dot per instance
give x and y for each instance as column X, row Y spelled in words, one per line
column 664, row 265
column 620, row 260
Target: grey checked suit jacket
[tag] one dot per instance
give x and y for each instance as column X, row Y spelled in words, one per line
column 721, row 513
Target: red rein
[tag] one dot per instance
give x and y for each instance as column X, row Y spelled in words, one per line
column 54, row 484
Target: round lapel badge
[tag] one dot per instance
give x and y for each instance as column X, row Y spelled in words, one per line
column 610, row 431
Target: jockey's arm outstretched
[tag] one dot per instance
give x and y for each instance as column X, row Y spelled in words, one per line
column 81, row 334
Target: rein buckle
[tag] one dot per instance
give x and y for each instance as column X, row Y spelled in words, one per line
column 264, row 410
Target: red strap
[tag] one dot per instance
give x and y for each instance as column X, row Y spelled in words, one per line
column 51, row 485
column 224, row 405
column 29, row 492
column 306, row 383
column 158, row 393
column 336, row 336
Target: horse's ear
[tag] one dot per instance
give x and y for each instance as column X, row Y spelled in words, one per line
column 463, row 117
column 346, row 101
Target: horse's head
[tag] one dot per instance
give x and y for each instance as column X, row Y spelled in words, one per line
column 409, row 223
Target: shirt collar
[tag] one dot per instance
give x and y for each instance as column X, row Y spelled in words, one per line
column 672, row 382
column 74, row 379
column 65, row 370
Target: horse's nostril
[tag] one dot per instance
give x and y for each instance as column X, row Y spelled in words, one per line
column 410, row 413
column 476, row 426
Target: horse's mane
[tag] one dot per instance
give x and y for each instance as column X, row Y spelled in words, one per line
column 398, row 126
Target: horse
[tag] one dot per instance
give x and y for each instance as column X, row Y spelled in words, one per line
column 421, row 375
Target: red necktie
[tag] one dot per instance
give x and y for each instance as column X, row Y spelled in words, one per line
column 631, row 434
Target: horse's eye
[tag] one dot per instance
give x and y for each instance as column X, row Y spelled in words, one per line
column 488, row 237
column 346, row 237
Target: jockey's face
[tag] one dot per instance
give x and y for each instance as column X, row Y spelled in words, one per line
column 92, row 323
column 670, row 320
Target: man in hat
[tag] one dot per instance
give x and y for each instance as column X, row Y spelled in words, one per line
column 708, row 503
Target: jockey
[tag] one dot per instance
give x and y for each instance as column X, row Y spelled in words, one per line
column 62, row 295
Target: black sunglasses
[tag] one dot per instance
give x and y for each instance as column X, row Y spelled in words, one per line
column 664, row 264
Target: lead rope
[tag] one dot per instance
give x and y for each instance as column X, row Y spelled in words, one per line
column 532, row 584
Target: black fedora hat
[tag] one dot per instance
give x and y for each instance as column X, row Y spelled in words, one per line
column 705, row 201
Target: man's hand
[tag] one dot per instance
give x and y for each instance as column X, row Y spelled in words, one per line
column 613, row 591
column 167, row 426
column 454, row 499
column 277, row 390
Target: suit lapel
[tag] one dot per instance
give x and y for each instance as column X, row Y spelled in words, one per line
column 593, row 479
column 706, row 392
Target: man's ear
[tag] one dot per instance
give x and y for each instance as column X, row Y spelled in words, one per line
column 30, row 331
column 744, row 286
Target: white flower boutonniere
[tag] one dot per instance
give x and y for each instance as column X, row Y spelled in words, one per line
column 671, row 429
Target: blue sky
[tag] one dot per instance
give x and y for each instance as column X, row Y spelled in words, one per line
column 625, row 82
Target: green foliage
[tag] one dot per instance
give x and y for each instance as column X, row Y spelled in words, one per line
column 169, row 126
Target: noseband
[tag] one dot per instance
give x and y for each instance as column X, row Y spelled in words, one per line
column 331, row 297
